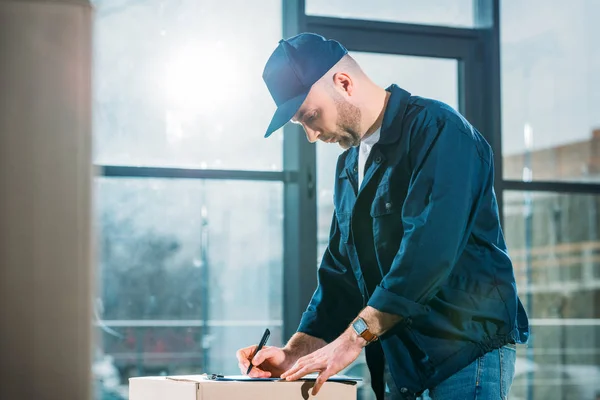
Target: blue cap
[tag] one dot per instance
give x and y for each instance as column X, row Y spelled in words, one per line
column 295, row 65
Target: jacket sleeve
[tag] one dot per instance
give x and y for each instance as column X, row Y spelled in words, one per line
column 447, row 176
column 337, row 299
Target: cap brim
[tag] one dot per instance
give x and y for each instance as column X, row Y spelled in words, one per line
column 285, row 113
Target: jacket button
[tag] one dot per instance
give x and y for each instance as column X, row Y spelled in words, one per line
column 403, row 390
column 388, row 206
column 378, row 159
column 356, row 168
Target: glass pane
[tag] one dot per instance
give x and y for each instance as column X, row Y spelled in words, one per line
column 413, row 74
column 457, row 13
column 554, row 242
column 551, row 90
column 180, row 83
column 176, row 259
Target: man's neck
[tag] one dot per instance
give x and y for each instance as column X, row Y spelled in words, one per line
column 376, row 111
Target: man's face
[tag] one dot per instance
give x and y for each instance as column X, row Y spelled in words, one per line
column 327, row 116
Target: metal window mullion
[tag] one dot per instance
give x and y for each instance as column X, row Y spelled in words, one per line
column 487, row 20
column 396, row 38
column 115, row 171
column 300, row 229
column 390, row 27
column 300, row 203
column 551, row 186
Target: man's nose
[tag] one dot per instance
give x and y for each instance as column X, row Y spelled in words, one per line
column 311, row 134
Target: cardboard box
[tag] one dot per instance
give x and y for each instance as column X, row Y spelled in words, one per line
column 198, row 387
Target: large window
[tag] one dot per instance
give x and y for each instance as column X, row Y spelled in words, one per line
column 551, row 148
column 190, row 270
column 191, row 211
column 554, row 241
column 179, row 83
column 551, row 90
column 176, row 260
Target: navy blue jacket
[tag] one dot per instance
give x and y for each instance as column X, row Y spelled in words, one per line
column 421, row 239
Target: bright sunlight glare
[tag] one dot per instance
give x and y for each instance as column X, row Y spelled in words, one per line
column 201, row 77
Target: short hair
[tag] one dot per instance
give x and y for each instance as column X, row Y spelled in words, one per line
column 346, row 64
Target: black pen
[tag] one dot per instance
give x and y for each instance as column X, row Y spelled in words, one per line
column 263, row 341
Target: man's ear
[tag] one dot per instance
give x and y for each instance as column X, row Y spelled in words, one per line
column 343, row 82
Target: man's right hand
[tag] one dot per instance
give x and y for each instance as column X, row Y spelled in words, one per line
column 270, row 362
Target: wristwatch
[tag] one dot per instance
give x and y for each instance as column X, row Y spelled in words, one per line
column 362, row 329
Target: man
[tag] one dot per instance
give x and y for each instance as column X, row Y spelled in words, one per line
column 416, row 269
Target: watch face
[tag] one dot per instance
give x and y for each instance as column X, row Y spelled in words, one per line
column 359, row 326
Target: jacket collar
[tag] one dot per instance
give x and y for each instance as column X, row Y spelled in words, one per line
column 390, row 128
column 394, row 114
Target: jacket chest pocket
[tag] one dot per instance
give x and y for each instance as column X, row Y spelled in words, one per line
column 387, row 220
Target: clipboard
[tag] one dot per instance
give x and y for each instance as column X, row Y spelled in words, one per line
column 310, row 377
column 245, row 378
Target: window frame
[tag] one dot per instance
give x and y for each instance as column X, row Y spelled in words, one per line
column 478, row 52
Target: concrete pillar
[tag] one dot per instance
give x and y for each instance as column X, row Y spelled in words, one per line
column 45, row 200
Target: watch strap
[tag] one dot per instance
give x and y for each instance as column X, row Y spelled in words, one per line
column 368, row 336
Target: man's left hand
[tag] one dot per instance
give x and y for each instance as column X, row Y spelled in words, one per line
column 328, row 360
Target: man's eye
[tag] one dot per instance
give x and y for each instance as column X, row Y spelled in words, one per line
column 312, row 117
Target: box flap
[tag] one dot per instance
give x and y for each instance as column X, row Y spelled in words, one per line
column 189, row 378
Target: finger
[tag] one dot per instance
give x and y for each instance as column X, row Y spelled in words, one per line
column 307, row 369
column 243, row 368
column 321, row 379
column 243, row 363
column 259, row 373
column 297, row 365
column 265, row 353
column 245, row 353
